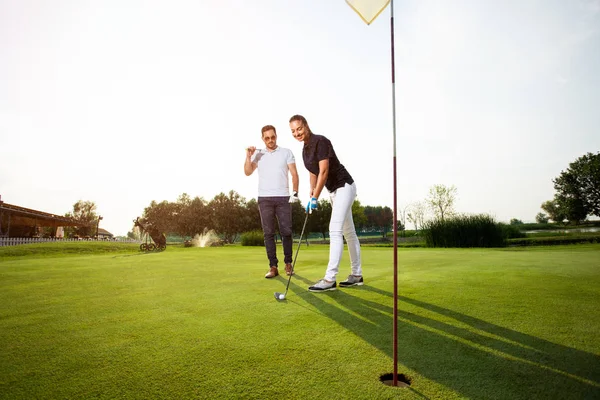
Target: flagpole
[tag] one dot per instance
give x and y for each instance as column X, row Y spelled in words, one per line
column 395, row 319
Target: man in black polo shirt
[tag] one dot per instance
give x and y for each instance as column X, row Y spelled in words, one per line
column 326, row 171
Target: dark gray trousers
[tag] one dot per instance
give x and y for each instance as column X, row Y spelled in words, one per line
column 271, row 208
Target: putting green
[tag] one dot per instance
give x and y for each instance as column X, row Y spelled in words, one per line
column 203, row 323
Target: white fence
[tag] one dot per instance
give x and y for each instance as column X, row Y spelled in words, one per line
column 15, row 241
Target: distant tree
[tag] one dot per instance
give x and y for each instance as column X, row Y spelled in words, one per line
column 416, row 214
column 578, row 187
column 228, row 215
column 194, row 216
column 318, row 221
column 370, row 218
column 515, row 221
column 441, row 200
column 84, row 212
column 379, row 218
column 554, row 210
column 358, row 215
column 574, row 208
column 402, row 218
column 298, row 217
column 184, row 200
column 400, row 226
column 162, row 216
column 252, row 220
column 541, row 218
column 386, row 220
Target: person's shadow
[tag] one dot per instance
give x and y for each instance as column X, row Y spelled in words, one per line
column 473, row 357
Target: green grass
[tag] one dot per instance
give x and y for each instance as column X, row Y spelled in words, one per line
column 57, row 249
column 561, row 234
column 516, row 323
column 550, row 240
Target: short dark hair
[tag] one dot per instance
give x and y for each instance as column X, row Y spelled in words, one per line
column 300, row 118
column 267, row 128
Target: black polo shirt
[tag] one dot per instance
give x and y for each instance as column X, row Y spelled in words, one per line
column 319, row 148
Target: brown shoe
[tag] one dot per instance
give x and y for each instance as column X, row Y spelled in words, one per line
column 288, row 270
column 273, row 272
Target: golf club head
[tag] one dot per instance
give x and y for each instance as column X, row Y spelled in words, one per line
column 279, row 296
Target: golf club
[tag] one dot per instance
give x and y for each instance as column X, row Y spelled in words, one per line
column 281, row 296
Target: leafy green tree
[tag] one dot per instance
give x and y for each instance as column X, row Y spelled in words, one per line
column 318, row 221
column 515, row 221
column 84, row 212
column 379, row 218
column 574, row 208
column 541, row 218
column 252, row 220
column 162, row 216
column 298, row 217
column 369, row 212
column 554, row 210
column 400, row 226
column 184, row 200
column 441, row 200
column 386, row 220
column 358, row 215
column 578, row 187
column 228, row 215
column 194, row 216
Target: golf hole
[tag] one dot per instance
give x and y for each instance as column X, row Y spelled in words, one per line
column 388, row 379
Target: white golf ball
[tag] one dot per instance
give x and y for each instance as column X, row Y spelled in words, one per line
column 281, row 296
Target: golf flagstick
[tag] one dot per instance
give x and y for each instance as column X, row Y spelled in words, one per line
column 281, row 296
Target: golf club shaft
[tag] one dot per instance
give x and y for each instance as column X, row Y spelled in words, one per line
column 296, row 256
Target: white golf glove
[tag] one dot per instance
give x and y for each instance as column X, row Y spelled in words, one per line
column 294, row 197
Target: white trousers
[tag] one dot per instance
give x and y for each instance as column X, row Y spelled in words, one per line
column 341, row 223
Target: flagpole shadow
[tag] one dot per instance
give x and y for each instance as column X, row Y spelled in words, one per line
column 468, row 361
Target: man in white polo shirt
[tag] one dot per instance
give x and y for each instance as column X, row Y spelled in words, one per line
column 274, row 201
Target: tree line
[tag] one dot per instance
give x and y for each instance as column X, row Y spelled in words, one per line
column 577, row 197
column 577, row 193
column 229, row 215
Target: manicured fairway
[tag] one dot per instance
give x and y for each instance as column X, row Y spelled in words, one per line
column 203, row 323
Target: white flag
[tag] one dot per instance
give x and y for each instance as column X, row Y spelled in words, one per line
column 368, row 10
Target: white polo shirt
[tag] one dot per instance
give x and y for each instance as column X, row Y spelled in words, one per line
column 273, row 171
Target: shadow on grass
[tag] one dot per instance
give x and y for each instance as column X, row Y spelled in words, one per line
column 481, row 361
column 301, row 278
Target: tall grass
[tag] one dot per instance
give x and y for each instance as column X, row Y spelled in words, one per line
column 465, row 231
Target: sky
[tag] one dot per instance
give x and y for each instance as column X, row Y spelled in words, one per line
column 122, row 102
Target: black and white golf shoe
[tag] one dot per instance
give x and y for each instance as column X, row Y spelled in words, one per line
column 352, row 281
column 323, row 286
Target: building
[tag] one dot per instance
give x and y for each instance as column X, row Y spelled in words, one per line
column 104, row 234
column 16, row 221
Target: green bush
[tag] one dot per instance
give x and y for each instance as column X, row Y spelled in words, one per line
column 512, row 231
column 253, row 238
column 465, row 231
column 536, row 226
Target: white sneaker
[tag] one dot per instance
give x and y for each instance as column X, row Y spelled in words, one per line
column 322, row 286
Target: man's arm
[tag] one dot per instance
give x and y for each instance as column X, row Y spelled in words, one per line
column 295, row 180
column 249, row 166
